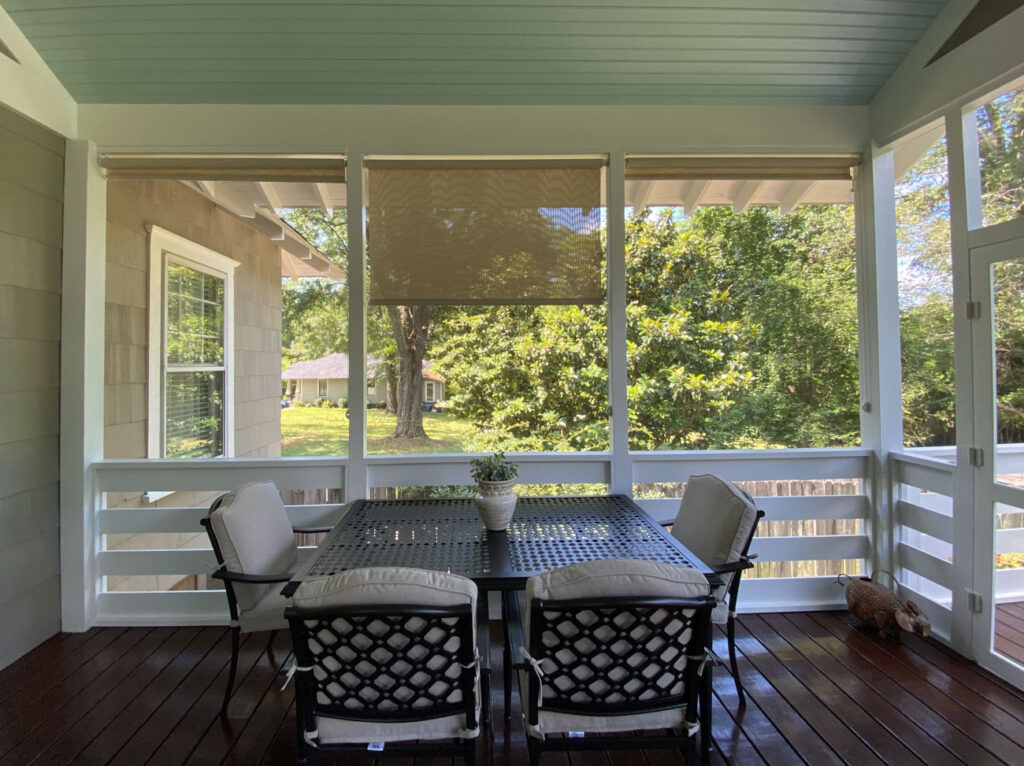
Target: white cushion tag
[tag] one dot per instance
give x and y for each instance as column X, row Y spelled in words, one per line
column 575, row 735
column 375, row 747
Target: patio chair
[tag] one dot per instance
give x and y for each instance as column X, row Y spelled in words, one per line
column 717, row 521
column 256, row 553
column 610, row 647
column 384, row 656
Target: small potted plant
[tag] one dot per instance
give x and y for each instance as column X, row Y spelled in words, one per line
column 496, row 502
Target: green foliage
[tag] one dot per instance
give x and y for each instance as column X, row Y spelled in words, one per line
column 741, row 332
column 325, row 402
column 1001, row 154
column 493, row 468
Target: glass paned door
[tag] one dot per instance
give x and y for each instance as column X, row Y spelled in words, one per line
column 997, row 287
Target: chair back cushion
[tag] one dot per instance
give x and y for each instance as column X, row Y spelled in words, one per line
column 374, row 664
column 255, row 537
column 658, row 640
column 714, row 520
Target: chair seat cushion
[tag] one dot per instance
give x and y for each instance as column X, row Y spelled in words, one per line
column 340, row 731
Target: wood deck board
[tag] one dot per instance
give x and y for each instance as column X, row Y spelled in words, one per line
column 820, row 691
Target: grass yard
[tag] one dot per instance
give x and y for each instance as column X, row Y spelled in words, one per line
column 307, row 431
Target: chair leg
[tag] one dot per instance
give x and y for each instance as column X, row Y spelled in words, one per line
column 533, row 747
column 469, row 754
column 730, row 630
column 235, row 631
column 269, row 649
column 704, row 713
column 506, row 662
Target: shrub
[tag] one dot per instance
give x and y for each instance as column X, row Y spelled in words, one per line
column 324, row 401
column 300, row 403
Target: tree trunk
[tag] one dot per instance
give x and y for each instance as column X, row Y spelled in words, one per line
column 391, row 396
column 411, row 327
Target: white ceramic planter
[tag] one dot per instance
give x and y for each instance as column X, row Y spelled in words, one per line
column 496, row 503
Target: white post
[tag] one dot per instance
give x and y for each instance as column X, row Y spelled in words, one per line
column 879, row 339
column 964, row 213
column 621, row 479
column 356, row 479
column 81, row 390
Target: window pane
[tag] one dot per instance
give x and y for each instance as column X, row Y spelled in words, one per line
column 195, row 317
column 925, row 293
column 194, row 414
column 1001, row 156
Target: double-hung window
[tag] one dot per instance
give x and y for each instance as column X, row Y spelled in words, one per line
column 190, row 391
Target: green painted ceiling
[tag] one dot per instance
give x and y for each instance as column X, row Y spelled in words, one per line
column 473, row 51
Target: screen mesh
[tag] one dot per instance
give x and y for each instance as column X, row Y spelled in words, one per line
column 484, row 234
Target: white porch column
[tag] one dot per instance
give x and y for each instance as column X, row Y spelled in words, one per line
column 621, row 479
column 81, row 389
column 964, row 213
column 356, row 479
column 879, row 339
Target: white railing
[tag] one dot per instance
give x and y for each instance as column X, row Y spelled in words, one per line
column 924, row 532
column 120, row 483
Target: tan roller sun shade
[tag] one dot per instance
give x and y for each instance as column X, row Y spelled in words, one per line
column 737, row 168
column 484, row 233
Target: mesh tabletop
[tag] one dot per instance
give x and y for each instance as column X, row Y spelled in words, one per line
column 447, row 535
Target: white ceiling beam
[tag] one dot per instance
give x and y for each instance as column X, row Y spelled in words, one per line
column 794, row 195
column 206, row 187
column 745, row 193
column 640, row 193
column 323, row 194
column 692, row 195
column 266, row 227
column 270, row 194
column 296, row 248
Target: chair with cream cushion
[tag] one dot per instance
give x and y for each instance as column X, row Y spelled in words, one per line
column 716, row 522
column 256, row 553
column 386, row 655
column 613, row 646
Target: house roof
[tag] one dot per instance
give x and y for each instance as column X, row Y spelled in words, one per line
column 494, row 52
column 336, row 366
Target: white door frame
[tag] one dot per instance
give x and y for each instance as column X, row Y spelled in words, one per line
column 986, row 250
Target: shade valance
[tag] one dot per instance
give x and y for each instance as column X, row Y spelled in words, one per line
column 484, row 232
column 208, row 167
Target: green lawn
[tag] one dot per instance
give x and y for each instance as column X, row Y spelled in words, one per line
column 309, row 431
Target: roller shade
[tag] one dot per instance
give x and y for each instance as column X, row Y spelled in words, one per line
column 224, row 168
column 484, row 232
column 741, row 168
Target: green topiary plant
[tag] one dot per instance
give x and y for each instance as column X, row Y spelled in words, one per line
column 493, row 468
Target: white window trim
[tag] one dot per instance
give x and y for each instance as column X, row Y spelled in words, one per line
column 322, row 384
column 164, row 244
column 429, row 391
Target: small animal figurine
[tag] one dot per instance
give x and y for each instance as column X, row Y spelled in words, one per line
column 873, row 603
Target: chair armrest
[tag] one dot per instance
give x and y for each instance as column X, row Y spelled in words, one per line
column 735, row 566
column 311, row 530
column 224, row 574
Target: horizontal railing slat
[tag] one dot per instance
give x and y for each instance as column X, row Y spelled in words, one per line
column 819, row 547
column 218, row 475
column 1010, row 541
column 182, row 561
column 202, row 607
column 925, row 473
column 786, row 594
column 924, row 520
column 937, row 570
column 751, row 465
column 791, row 508
column 534, row 468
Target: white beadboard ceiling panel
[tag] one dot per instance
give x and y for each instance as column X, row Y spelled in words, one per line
column 602, row 52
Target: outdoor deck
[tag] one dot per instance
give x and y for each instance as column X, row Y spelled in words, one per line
column 820, row 692
column 1009, row 638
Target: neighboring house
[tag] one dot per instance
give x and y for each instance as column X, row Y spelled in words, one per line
column 328, row 377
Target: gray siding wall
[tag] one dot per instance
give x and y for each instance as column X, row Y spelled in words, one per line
column 31, row 216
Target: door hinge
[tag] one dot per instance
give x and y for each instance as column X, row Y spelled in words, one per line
column 976, row 456
column 974, row 601
column 973, row 310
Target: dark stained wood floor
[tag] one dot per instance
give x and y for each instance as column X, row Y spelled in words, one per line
column 1009, row 638
column 820, row 692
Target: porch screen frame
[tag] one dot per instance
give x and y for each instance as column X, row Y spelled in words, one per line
column 166, row 247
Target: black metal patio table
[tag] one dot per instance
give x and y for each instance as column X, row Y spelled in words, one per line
column 545, row 533
column 447, row 535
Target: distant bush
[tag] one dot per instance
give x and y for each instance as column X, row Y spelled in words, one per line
column 326, row 402
column 300, row 403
